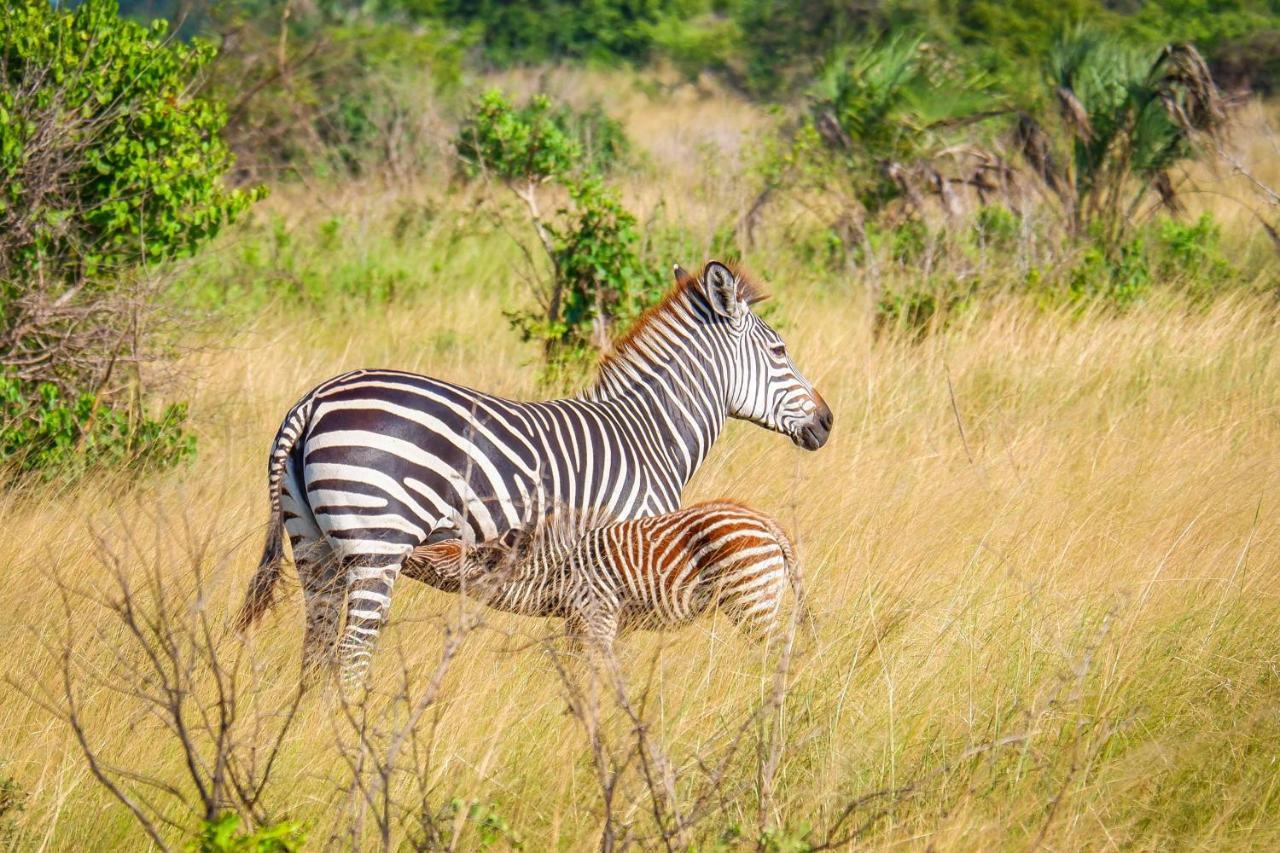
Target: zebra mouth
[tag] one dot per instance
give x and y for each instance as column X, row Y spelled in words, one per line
column 810, row 437
column 817, row 430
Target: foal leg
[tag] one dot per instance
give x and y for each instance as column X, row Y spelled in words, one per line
column 593, row 627
column 751, row 595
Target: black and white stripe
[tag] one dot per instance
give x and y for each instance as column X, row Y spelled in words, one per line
column 607, row 577
column 375, row 463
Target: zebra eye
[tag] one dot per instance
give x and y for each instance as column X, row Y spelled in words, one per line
column 778, row 349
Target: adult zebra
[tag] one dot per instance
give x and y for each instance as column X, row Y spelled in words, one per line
column 374, row 463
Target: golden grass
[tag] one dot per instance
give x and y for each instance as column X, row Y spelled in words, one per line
column 1041, row 544
column 1059, row 625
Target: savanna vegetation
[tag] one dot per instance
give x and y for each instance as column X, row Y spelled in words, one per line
column 1026, row 250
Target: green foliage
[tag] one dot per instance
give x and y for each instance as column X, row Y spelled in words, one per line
column 516, row 143
column 784, row 839
column 538, row 141
column 224, row 835
column 12, row 801
column 996, row 226
column 1192, row 251
column 44, row 430
column 884, row 121
column 547, row 29
column 106, row 160
column 600, row 277
column 353, row 97
column 779, row 42
column 487, row 822
column 919, row 308
column 593, row 244
column 1118, row 277
column 601, row 137
column 1129, row 118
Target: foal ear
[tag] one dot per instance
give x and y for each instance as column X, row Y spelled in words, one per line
column 724, row 291
column 679, row 273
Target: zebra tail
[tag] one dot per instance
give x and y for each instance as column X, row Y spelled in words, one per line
column 796, row 578
column 261, row 593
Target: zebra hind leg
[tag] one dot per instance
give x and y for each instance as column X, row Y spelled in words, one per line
column 324, row 591
column 755, row 607
column 369, row 583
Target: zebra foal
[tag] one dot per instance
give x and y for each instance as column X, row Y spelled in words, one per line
column 649, row 573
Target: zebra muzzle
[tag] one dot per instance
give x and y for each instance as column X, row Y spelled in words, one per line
column 815, row 433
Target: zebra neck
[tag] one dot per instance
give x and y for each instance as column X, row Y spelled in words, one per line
column 675, row 402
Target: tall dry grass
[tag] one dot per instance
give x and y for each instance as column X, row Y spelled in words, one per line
column 1041, row 545
column 1042, row 548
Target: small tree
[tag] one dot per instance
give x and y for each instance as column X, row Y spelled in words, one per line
column 592, row 243
column 1125, row 119
column 883, row 134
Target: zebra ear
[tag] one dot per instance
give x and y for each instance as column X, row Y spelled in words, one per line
column 723, row 291
column 679, row 273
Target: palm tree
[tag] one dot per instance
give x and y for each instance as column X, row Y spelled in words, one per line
column 1126, row 119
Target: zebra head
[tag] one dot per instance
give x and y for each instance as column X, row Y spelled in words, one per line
column 764, row 385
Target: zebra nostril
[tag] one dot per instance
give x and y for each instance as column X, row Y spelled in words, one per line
column 824, row 416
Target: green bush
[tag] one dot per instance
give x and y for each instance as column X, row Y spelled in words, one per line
column 1119, row 277
column 1125, row 118
column 516, row 143
column 600, row 277
column 106, row 161
column 995, row 226
column 108, row 166
column 592, row 243
column 555, row 29
column 917, row 309
column 360, row 93
column 884, row 119
column 1192, row 252
column 43, row 429
column 601, row 137
column 224, row 835
column 12, row 802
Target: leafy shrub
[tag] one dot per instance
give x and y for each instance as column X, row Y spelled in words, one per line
column 516, row 143
column 1192, row 251
column 1119, row 277
column 224, row 835
column 600, row 278
column 601, row 137
column 996, row 226
column 108, row 165
column 539, row 140
column 12, row 801
column 918, row 309
column 44, row 430
column 484, row 818
column 592, row 244
column 549, row 29
column 105, row 159
column 1126, row 117
column 883, row 123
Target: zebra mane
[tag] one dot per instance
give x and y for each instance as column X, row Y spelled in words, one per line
column 686, row 285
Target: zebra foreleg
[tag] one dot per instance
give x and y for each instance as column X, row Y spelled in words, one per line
column 593, row 628
column 369, row 583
